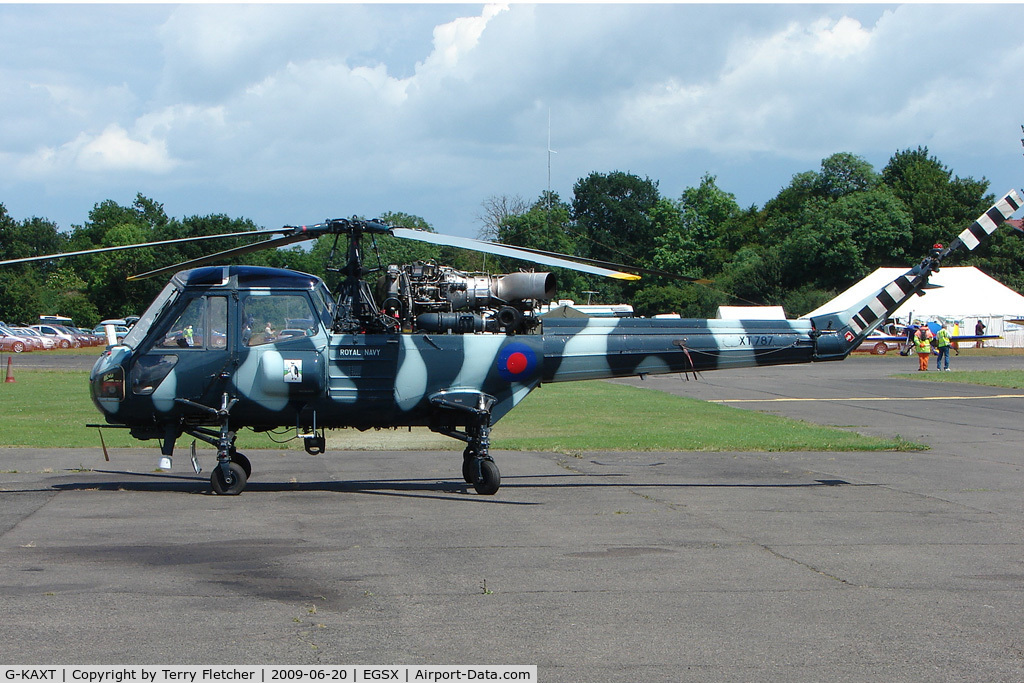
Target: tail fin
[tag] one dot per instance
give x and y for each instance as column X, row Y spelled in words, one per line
column 841, row 332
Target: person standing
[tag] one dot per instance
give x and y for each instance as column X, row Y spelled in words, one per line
column 942, row 343
column 979, row 330
column 923, row 347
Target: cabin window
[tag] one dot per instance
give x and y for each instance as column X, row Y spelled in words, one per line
column 277, row 318
column 203, row 324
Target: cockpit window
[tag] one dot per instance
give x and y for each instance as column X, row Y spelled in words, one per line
column 277, row 318
column 322, row 300
column 203, row 324
column 139, row 331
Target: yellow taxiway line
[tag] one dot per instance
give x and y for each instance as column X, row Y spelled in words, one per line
column 863, row 398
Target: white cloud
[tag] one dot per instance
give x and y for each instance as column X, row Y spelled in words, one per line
column 113, row 150
column 312, row 108
column 772, row 94
column 453, row 40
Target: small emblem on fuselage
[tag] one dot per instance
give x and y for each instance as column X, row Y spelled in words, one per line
column 516, row 362
column 292, row 370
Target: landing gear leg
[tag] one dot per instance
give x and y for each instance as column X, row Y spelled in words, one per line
column 232, row 472
column 478, row 467
column 472, row 409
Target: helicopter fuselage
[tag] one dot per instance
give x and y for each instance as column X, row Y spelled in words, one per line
column 261, row 338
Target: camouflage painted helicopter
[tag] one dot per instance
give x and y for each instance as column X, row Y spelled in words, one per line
column 222, row 348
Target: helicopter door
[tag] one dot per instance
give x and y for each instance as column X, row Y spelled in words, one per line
column 281, row 346
column 192, row 351
column 361, row 377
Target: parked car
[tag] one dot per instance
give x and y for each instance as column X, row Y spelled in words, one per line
column 13, row 343
column 88, row 337
column 33, row 342
column 64, row 338
column 45, row 342
column 120, row 329
column 879, row 346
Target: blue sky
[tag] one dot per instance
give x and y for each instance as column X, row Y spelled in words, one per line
column 290, row 114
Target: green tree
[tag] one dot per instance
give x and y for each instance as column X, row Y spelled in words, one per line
column 754, row 276
column 940, row 204
column 23, row 285
column 1002, row 257
column 836, row 243
column 689, row 301
column 613, row 216
column 105, row 274
column 64, row 294
column 843, row 174
column 400, row 251
column 840, row 175
column 546, row 225
column 695, row 243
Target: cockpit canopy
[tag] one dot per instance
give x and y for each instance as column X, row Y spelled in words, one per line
column 236, row 280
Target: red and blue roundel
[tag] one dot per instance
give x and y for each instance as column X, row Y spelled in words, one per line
column 516, row 362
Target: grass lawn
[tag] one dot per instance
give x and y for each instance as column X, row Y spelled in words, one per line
column 1007, row 379
column 49, row 409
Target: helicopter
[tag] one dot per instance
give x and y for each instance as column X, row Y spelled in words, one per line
column 227, row 347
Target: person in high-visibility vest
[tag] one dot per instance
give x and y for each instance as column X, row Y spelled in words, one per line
column 923, row 346
column 942, row 343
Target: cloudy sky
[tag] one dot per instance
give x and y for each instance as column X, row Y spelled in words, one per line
column 290, row 114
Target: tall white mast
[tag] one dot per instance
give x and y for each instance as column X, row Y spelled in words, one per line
column 550, row 152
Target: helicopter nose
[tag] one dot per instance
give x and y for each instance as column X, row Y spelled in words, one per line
column 107, row 381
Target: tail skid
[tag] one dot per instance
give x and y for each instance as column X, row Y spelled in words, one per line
column 841, row 332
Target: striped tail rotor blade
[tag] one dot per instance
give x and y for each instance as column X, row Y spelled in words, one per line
column 990, row 220
column 861, row 319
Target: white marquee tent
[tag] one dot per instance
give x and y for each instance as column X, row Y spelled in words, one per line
column 966, row 296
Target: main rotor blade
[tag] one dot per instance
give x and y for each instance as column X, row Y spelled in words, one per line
column 511, row 252
column 620, row 266
column 228, row 253
column 100, row 250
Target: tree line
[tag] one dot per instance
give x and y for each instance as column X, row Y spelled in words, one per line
column 822, row 232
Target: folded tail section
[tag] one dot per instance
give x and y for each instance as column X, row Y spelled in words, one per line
column 841, row 332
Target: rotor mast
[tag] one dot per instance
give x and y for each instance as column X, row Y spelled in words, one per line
column 356, row 309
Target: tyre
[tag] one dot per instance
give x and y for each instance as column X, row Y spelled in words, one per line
column 490, row 479
column 230, row 485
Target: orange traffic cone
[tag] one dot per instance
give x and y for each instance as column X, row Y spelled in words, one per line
column 10, row 372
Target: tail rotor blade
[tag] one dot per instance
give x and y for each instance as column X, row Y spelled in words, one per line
column 988, row 221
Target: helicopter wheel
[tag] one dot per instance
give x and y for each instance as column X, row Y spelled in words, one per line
column 231, row 483
column 243, row 461
column 489, row 479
